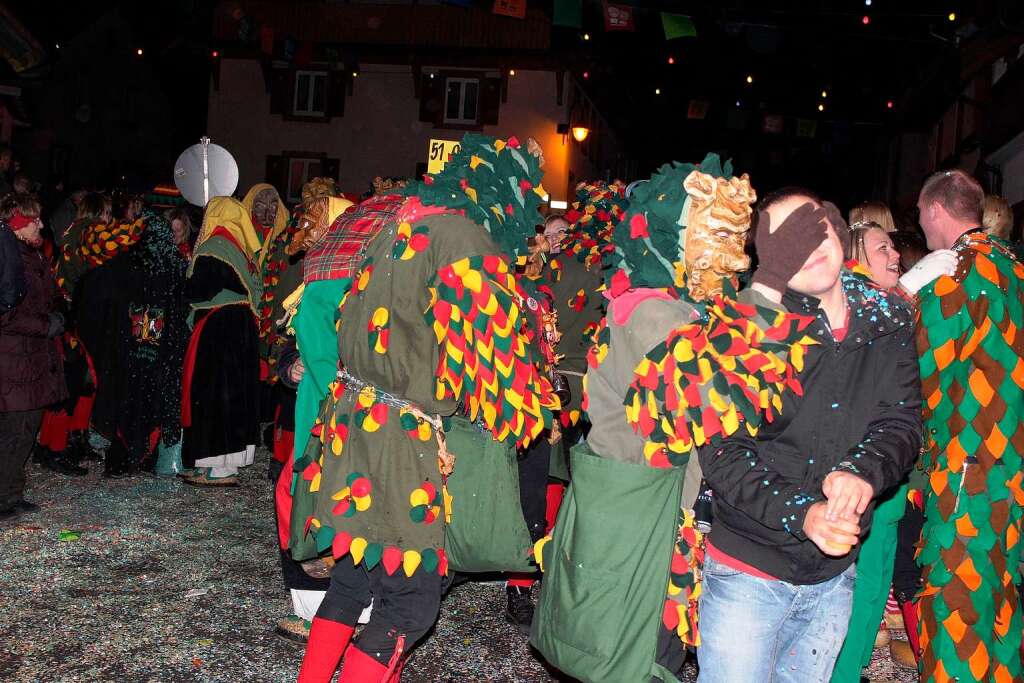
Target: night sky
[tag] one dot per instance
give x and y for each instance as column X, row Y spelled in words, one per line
column 851, row 83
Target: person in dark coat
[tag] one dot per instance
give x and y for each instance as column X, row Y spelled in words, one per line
column 12, row 274
column 792, row 503
column 220, row 380
column 31, row 372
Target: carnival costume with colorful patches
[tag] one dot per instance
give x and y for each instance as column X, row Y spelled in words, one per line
column 576, row 280
column 431, row 329
column 329, row 265
column 652, row 399
column 279, row 272
column 88, row 246
column 220, row 382
column 142, row 344
column 972, row 373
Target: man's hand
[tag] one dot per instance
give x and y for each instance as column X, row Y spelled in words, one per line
column 296, row 371
column 832, row 538
column 848, row 496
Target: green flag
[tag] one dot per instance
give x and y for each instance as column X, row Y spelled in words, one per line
column 677, row 26
column 568, row 13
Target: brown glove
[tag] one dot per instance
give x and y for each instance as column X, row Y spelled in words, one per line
column 781, row 254
column 839, row 225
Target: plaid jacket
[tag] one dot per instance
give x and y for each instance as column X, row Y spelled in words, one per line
column 340, row 252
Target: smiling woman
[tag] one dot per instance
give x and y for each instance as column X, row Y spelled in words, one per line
column 871, row 245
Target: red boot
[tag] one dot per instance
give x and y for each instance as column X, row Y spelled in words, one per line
column 360, row 667
column 327, row 640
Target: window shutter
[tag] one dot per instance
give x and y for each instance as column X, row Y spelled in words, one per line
column 277, row 173
column 490, row 101
column 432, row 99
column 282, row 91
column 336, row 90
column 329, row 168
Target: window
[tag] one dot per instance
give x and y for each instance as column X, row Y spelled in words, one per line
column 300, row 171
column 461, row 101
column 310, row 93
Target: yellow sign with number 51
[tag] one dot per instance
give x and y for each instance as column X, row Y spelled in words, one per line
column 439, row 152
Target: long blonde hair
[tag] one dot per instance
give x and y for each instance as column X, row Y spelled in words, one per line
column 872, row 212
column 996, row 216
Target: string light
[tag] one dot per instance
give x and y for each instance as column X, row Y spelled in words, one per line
column 586, row 74
column 865, row 20
column 750, row 79
column 215, row 54
column 821, row 107
column 355, row 74
column 737, row 103
column 952, row 16
column 824, row 94
column 867, row 3
column 511, row 72
column 657, row 91
column 888, row 105
column 139, row 52
column 586, row 36
column 671, row 59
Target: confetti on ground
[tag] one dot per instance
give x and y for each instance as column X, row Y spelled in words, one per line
column 109, row 606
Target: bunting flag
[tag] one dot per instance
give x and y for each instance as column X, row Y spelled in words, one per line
column 677, row 26
column 618, row 17
column 267, row 40
column 568, row 13
column 304, row 55
column 510, row 8
column 698, row 109
column 773, row 123
column 806, row 128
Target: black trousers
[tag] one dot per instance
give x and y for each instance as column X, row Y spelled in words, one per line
column 534, row 464
column 403, row 607
column 18, row 429
column 906, row 575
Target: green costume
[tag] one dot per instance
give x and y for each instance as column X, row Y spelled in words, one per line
column 433, row 324
column 971, row 352
column 871, row 591
column 313, row 323
column 667, row 373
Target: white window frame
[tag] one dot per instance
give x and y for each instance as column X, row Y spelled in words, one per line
column 461, row 119
column 306, row 163
column 313, row 76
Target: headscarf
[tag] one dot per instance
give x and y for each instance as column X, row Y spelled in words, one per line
column 280, row 220
column 495, row 183
column 230, row 214
column 338, row 253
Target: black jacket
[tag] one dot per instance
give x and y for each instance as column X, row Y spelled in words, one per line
column 12, row 272
column 860, row 411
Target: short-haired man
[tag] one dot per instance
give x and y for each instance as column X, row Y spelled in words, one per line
column 971, row 348
column 792, row 502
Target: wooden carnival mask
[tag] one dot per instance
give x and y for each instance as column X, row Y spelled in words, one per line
column 312, row 224
column 716, row 230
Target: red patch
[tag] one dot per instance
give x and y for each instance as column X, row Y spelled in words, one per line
column 638, row 226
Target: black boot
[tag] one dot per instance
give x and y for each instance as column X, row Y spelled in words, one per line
column 40, row 454
column 62, row 464
column 80, row 449
column 520, row 608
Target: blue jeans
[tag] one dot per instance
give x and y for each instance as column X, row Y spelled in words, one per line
column 755, row 630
